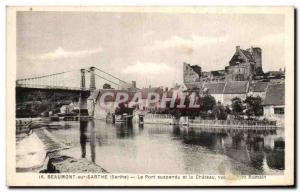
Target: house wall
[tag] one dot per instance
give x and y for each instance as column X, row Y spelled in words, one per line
column 227, row 98
column 218, row 97
column 270, row 115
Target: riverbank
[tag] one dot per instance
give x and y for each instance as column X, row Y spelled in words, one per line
column 249, row 125
column 41, row 152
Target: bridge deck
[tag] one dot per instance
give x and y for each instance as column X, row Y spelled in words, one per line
column 50, row 87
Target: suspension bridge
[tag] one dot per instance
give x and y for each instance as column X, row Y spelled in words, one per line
column 76, row 80
column 84, row 84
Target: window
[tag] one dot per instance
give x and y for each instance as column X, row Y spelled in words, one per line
column 278, row 110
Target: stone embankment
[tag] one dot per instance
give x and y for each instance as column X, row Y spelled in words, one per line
column 58, row 163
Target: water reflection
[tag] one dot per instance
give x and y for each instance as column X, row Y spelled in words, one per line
column 132, row 148
column 275, row 159
column 244, row 147
column 85, row 128
column 124, row 130
column 83, row 137
column 92, row 140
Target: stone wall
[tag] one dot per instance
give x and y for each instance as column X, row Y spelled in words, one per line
column 189, row 75
column 158, row 119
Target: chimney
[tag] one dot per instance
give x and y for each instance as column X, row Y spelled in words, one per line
column 134, row 84
column 237, row 48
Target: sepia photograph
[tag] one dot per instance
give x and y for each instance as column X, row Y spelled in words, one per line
column 150, row 96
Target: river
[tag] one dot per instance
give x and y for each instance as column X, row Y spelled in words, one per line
column 166, row 149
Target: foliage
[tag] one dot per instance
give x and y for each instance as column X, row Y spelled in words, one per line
column 236, row 105
column 106, row 86
column 254, row 106
column 207, row 103
column 219, row 111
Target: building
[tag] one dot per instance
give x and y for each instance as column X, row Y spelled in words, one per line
column 191, row 73
column 215, row 89
column 275, row 76
column 195, row 86
column 102, row 102
column 213, row 76
column 174, row 92
column 274, row 103
column 234, row 89
column 244, row 64
column 68, row 108
column 258, row 89
column 144, row 104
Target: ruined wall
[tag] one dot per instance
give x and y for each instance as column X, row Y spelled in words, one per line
column 189, row 75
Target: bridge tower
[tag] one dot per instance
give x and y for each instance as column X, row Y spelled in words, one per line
column 92, row 79
column 82, row 82
column 82, row 98
column 91, row 100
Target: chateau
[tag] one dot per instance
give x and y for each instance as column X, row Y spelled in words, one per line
column 242, row 77
column 244, row 65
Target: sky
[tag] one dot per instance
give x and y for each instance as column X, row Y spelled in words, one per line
column 149, row 48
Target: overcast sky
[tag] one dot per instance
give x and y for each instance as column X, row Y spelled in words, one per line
column 147, row 47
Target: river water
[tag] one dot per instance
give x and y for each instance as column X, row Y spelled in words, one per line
column 166, row 149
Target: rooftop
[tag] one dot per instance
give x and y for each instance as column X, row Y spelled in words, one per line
column 258, row 86
column 275, row 94
column 215, row 88
column 236, row 87
column 248, row 55
column 146, row 91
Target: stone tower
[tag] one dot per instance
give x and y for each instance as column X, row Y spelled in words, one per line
column 256, row 53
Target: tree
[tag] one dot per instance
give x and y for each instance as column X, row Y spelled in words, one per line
column 106, row 86
column 207, row 103
column 222, row 114
column 254, row 106
column 237, row 105
column 219, row 111
column 227, row 110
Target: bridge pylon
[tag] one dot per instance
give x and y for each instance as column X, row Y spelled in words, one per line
column 92, row 79
column 82, row 82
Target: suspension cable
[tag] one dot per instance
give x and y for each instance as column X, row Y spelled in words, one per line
column 107, row 79
column 43, row 76
column 111, row 75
